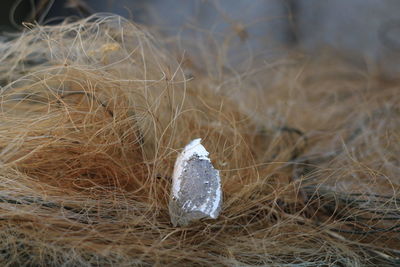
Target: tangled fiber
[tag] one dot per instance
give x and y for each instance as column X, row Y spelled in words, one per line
column 94, row 113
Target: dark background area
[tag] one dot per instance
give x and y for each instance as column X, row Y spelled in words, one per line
column 369, row 30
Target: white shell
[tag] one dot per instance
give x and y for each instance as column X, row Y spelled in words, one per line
column 196, row 186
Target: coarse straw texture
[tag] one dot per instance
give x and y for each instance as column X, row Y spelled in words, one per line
column 94, row 113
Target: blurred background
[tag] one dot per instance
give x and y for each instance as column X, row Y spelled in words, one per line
column 368, row 31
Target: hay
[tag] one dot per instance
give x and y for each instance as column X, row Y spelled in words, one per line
column 94, row 113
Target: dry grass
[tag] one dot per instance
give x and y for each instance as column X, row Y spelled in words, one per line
column 94, row 112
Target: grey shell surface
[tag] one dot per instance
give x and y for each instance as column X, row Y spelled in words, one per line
column 196, row 191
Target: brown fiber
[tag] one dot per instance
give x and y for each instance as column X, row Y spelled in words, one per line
column 93, row 115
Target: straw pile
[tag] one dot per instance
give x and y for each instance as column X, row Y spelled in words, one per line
column 94, row 113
